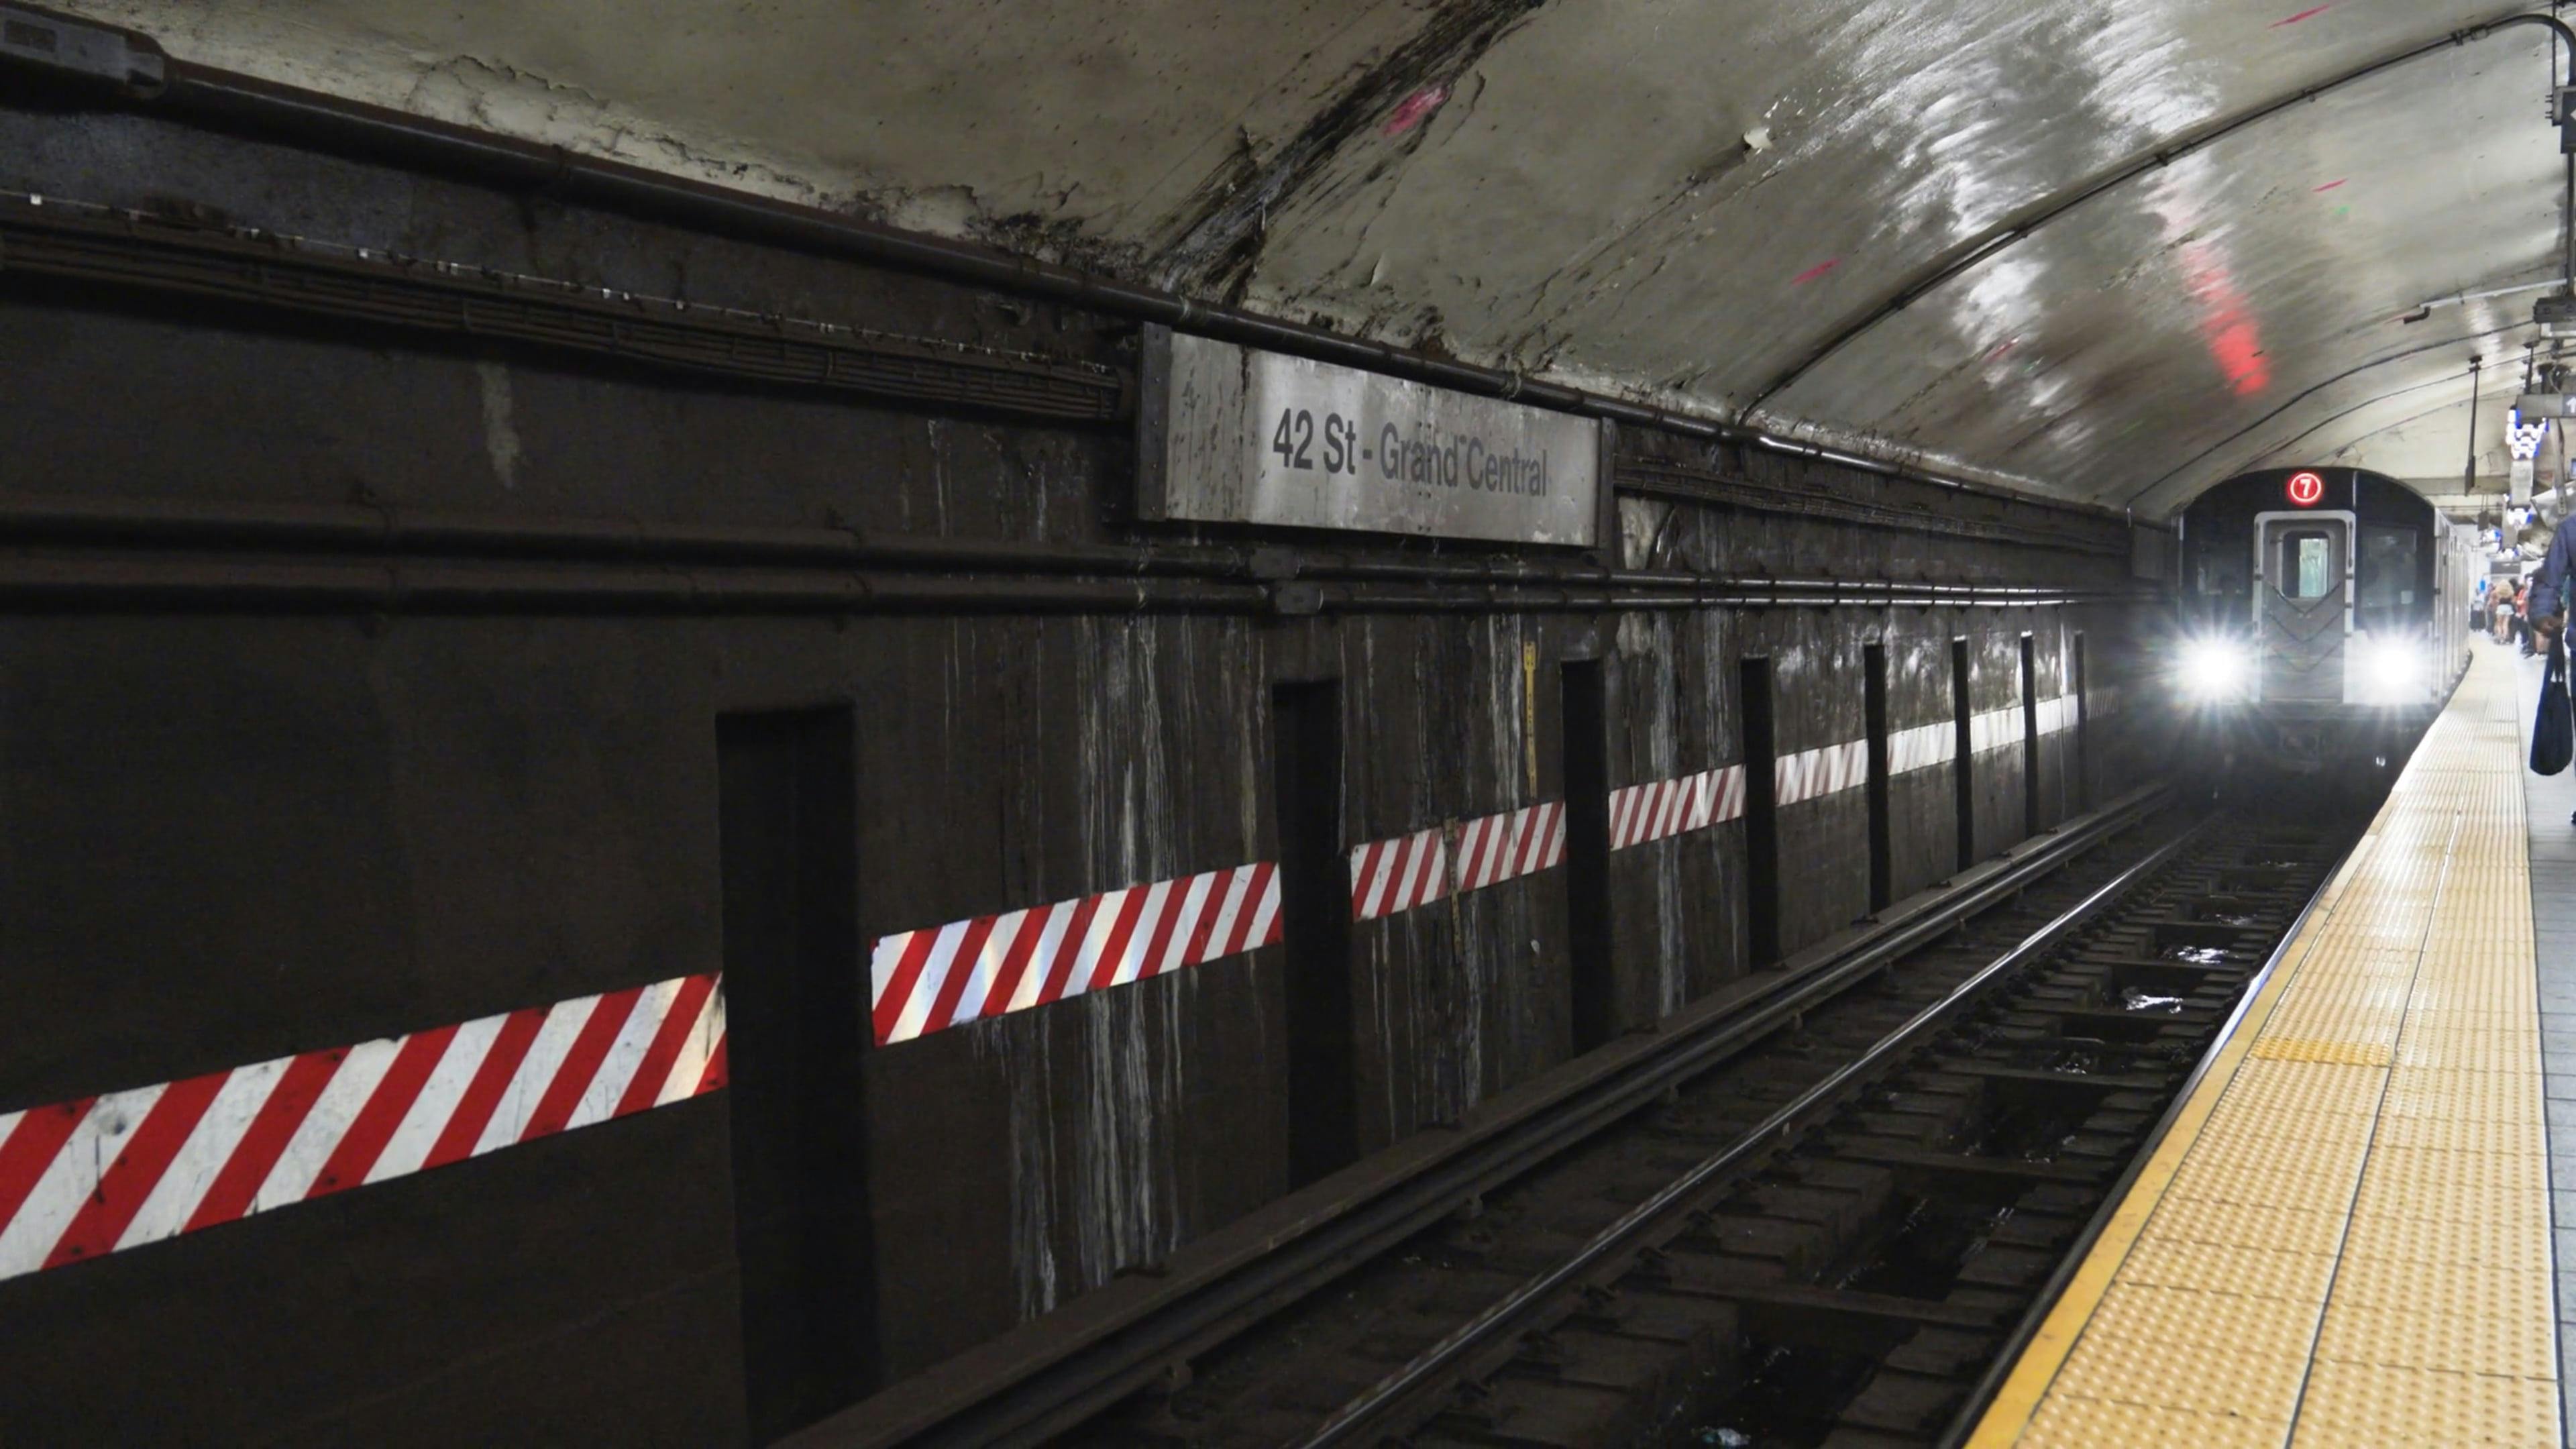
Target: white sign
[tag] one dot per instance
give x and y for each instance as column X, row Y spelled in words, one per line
column 1229, row 434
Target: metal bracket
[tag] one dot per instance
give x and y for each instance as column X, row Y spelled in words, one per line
column 1297, row 600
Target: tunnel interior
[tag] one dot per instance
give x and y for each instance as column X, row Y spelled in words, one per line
column 741, row 725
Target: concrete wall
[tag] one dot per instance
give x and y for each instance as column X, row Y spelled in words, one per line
column 236, row 833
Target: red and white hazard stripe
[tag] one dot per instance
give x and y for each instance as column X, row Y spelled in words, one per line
column 939, row 976
column 942, row 976
column 1994, row 729
column 1388, row 876
column 1496, row 848
column 85, row 1178
column 1812, row 774
column 1640, row 814
column 1997, row 728
column 1922, row 747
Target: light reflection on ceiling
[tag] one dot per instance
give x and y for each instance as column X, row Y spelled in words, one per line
column 1672, row 201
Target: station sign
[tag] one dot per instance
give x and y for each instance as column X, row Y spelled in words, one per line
column 1231, row 434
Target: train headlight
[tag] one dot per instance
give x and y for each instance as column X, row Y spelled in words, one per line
column 2215, row 669
column 2392, row 670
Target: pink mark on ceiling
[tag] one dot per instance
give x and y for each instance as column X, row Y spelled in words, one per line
column 1811, row 273
column 2311, row 13
column 2226, row 323
column 2331, row 185
column 2003, row 349
column 1414, row 109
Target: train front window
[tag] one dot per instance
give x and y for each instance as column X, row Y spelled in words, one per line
column 2391, row 577
column 2219, row 578
column 2307, row 568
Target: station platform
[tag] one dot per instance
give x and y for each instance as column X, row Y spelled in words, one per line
column 2344, row 1238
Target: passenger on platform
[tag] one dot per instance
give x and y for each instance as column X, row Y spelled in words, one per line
column 2500, row 627
column 2478, row 606
column 2546, row 603
column 2547, row 599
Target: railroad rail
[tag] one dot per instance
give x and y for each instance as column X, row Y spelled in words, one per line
column 1827, row 1239
column 1143, row 1330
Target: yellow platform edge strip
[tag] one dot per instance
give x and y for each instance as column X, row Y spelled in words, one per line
column 2018, row 1400
column 2456, row 765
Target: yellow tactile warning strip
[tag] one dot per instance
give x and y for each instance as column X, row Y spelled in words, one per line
column 2345, row 1240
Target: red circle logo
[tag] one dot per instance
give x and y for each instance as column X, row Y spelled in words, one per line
column 2306, row 489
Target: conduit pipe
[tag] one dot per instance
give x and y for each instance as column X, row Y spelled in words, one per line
column 68, row 529
column 344, row 583
column 373, row 587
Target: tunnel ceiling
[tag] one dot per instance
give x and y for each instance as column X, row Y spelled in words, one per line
column 1675, row 200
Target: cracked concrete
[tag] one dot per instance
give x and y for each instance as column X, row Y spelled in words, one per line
column 1570, row 187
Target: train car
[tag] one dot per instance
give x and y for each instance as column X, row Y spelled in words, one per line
column 2323, row 616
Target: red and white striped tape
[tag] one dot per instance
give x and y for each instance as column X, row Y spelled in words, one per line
column 1994, row 729
column 1402, row 874
column 939, row 976
column 1925, row 746
column 1922, row 747
column 1414, row 870
column 1814, row 774
column 1497, row 848
column 1640, row 814
column 85, row 1178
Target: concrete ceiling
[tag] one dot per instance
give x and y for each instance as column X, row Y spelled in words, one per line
column 1672, row 198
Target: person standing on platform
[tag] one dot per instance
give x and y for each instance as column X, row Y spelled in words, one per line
column 2546, row 605
column 2546, row 612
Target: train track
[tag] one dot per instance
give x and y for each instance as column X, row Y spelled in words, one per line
column 1833, row 1232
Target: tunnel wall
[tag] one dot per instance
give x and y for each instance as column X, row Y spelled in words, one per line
column 245, row 828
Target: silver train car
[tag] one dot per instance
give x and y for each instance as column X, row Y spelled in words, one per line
column 2323, row 618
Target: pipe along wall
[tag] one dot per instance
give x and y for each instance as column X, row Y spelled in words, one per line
column 364, row 940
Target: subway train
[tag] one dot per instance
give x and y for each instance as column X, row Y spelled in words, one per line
column 2322, row 618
